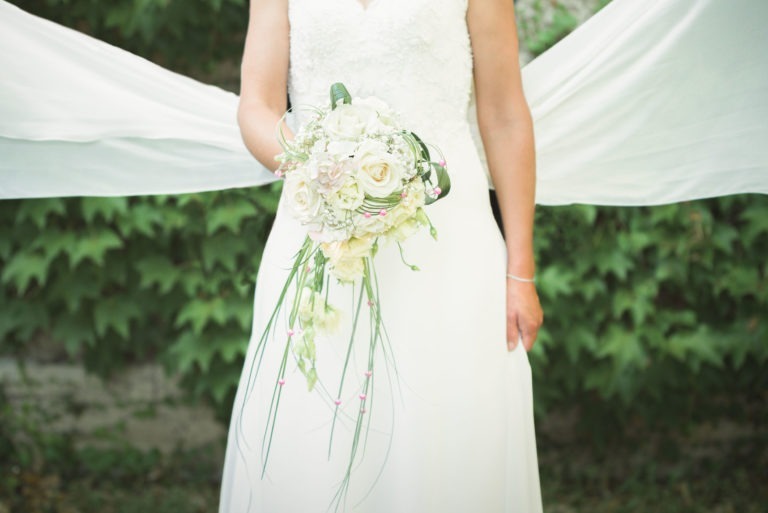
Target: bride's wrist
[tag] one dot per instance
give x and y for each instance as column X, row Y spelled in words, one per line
column 528, row 278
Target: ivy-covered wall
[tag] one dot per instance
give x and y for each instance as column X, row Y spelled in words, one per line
column 654, row 315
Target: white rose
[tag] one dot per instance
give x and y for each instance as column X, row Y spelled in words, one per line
column 347, row 121
column 378, row 173
column 302, row 198
column 342, row 149
column 381, row 115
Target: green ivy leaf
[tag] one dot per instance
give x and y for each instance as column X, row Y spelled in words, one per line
column 230, row 216
column 115, row 313
column 74, row 331
column 231, row 347
column 106, row 208
column 143, row 218
column 24, row 268
column 160, row 271
column 199, row 313
column 38, row 210
column 555, row 281
column 93, row 246
column 224, row 249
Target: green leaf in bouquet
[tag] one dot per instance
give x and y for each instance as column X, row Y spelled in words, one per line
column 443, row 182
column 422, row 147
column 339, row 93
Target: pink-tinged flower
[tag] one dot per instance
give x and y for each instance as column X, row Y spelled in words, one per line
column 383, row 212
column 279, row 173
column 281, row 382
column 370, row 302
column 368, row 373
column 367, row 215
column 328, row 173
column 437, row 191
column 403, row 194
column 442, row 162
column 290, row 332
column 337, row 402
column 362, row 397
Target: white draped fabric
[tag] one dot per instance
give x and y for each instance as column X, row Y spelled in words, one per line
column 648, row 102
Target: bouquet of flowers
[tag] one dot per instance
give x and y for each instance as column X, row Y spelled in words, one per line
column 355, row 178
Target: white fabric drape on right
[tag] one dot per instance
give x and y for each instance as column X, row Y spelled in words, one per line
column 653, row 102
column 648, row 102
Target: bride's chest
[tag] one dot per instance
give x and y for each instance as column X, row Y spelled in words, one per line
column 348, row 26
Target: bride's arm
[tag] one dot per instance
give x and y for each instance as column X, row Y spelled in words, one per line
column 506, row 128
column 263, row 79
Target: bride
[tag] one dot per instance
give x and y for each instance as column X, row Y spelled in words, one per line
column 649, row 102
column 453, row 429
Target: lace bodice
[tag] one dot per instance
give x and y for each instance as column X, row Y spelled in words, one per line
column 413, row 54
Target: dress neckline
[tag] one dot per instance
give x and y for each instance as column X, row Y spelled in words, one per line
column 365, row 7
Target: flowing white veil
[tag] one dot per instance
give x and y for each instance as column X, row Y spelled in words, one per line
column 648, row 102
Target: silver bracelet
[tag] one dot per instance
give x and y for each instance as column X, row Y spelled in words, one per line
column 526, row 280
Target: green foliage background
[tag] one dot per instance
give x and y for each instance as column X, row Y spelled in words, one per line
column 653, row 315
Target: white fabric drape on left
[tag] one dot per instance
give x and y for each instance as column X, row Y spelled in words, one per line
column 648, row 102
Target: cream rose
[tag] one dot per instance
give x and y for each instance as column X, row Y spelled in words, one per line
column 378, row 173
column 302, row 198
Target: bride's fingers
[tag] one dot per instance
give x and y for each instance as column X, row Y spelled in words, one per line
column 512, row 333
column 528, row 339
column 530, row 333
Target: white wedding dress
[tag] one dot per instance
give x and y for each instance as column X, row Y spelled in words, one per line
column 649, row 102
column 453, row 430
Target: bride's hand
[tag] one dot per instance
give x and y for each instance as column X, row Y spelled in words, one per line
column 524, row 313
